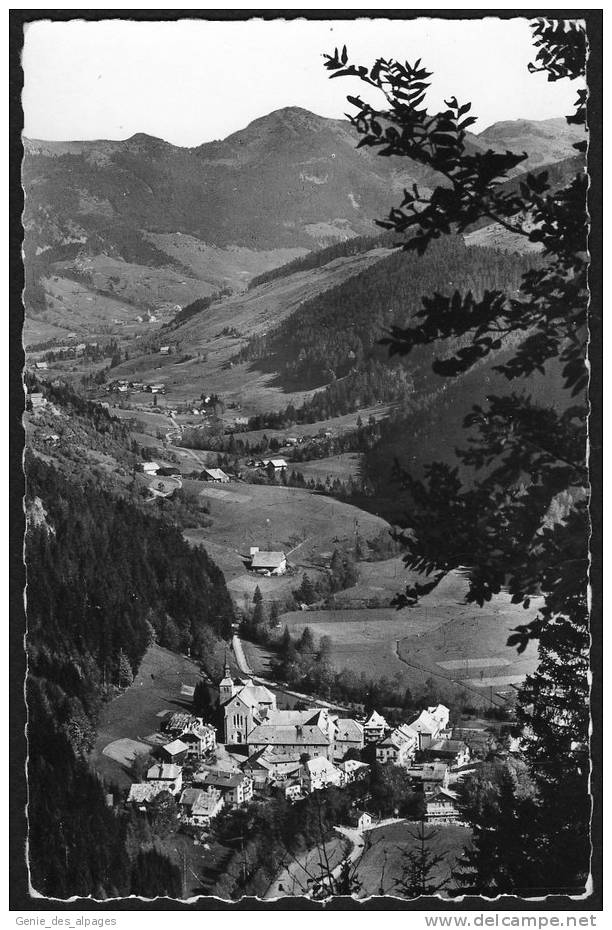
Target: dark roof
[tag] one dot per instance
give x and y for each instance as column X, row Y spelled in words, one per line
column 221, row 779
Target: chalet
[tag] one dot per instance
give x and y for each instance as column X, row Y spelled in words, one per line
column 453, row 752
column 360, row 820
column 164, row 350
column 399, row 746
column 374, row 728
column 235, row 787
column 214, row 474
column 42, row 366
column 278, row 464
column 175, row 752
column 353, row 770
column 168, row 775
column 441, row 807
column 268, row 563
column 150, row 468
column 320, row 773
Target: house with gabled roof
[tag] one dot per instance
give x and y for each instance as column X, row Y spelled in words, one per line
column 236, row 787
column 353, row 770
column 214, row 474
column 175, row 751
column 169, row 776
column 398, row 746
column 454, row 752
column 442, row 807
column 266, row 562
column 206, row 806
column 145, row 792
column 303, row 739
column 374, row 727
column 348, row 735
column 319, row 773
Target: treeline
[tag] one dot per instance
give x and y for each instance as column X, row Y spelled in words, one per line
column 104, row 581
column 339, row 330
column 321, row 257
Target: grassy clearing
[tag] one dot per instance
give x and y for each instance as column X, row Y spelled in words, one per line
column 468, row 634
column 304, row 525
column 135, row 714
column 294, row 879
column 342, row 466
column 382, row 862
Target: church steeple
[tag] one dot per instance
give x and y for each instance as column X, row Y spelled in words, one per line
column 227, row 688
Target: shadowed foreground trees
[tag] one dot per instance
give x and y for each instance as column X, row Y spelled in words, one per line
column 521, row 523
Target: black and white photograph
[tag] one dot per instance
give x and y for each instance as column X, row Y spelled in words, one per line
column 307, row 317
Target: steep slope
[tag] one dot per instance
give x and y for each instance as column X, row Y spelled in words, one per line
column 157, row 225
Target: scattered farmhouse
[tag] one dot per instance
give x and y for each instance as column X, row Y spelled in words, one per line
column 268, row 563
column 214, row 474
column 279, row 464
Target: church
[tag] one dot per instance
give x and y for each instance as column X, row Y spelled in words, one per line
column 245, row 706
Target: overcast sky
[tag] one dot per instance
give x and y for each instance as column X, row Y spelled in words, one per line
column 192, row 81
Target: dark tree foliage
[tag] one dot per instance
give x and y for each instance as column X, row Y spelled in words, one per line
column 340, row 330
column 154, row 876
column 421, row 866
column 321, row 257
column 101, row 576
column 521, row 523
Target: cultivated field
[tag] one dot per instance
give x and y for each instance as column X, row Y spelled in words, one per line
column 382, row 862
column 442, row 638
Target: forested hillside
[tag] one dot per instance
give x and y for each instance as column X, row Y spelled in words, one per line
column 104, row 581
column 339, row 331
